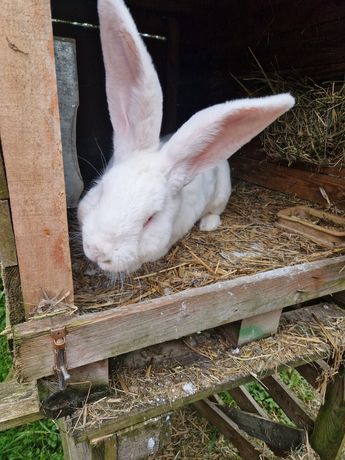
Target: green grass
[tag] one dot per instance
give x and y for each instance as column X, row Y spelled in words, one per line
column 35, row 441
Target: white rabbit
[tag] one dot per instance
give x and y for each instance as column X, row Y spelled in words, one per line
column 151, row 195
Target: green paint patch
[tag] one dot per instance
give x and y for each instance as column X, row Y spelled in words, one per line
column 248, row 333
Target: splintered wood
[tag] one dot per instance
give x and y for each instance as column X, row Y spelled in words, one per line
column 247, row 242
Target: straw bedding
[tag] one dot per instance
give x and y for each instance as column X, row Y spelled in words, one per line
column 247, row 242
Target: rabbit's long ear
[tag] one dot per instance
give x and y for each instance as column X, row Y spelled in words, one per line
column 216, row 133
column 133, row 90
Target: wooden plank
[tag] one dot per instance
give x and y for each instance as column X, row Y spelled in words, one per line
column 8, row 255
column 96, row 374
column 246, row 401
column 282, row 437
column 302, row 183
column 15, row 313
column 71, row 449
column 97, row 336
column 312, row 371
column 144, row 439
column 228, row 428
column 3, row 182
column 19, row 404
column 31, row 143
column 169, row 394
column 328, row 437
column 258, row 326
column 289, row 402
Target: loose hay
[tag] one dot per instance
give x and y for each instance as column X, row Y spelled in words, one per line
column 314, row 130
column 247, row 242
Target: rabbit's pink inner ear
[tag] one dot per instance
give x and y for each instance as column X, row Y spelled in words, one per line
column 133, row 90
column 216, row 133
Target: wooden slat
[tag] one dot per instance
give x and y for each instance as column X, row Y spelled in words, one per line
column 13, row 296
column 19, row 404
column 328, row 437
column 31, row 143
column 110, row 333
column 311, row 372
column 71, row 449
column 8, row 255
column 246, row 401
column 228, row 428
column 144, row 439
column 289, row 402
column 133, row 410
column 302, row 183
column 258, row 326
column 282, row 437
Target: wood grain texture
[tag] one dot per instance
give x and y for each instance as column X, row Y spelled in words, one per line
column 289, row 402
column 302, row 183
column 8, row 256
column 139, row 411
column 13, row 295
column 246, row 402
column 312, row 372
column 19, row 404
column 31, row 143
column 282, row 437
column 228, row 428
column 97, row 336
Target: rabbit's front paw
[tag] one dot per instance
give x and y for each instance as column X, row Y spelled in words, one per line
column 209, row 222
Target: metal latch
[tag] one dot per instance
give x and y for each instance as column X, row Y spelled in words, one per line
column 59, row 342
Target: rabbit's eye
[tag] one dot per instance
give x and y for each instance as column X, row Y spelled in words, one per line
column 149, row 220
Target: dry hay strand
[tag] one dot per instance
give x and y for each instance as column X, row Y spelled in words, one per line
column 247, row 242
column 314, row 130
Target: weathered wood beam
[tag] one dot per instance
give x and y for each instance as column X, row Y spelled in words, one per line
column 31, row 144
column 216, row 416
column 246, row 401
column 253, row 328
column 142, row 414
column 110, row 333
column 328, row 437
column 19, row 404
column 289, row 402
column 304, row 184
column 282, row 437
column 311, row 372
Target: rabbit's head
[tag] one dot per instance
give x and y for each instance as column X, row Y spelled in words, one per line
column 127, row 218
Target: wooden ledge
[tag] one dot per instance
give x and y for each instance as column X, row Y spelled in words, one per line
column 19, row 404
column 96, row 336
column 139, row 394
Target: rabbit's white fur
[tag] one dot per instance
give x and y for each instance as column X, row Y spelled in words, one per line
column 151, row 195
